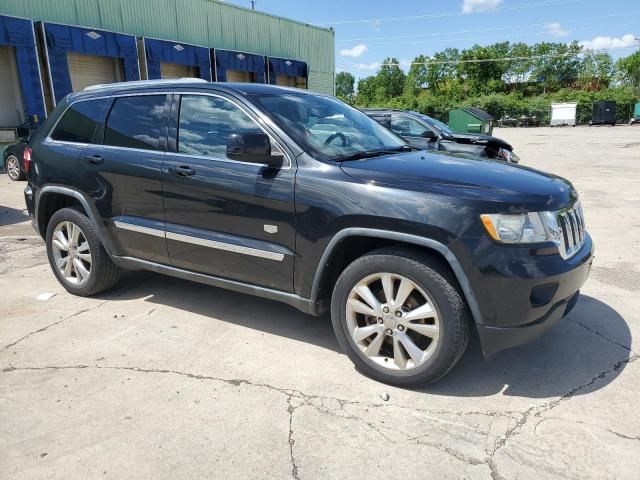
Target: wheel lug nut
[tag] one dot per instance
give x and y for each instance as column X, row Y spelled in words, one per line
column 380, row 320
column 385, row 309
column 401, row 327
column 389, row 331
column 398, row 314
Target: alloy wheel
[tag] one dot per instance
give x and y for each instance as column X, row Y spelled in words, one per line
column 71, row 253
column 393, row 321
column 13, row 167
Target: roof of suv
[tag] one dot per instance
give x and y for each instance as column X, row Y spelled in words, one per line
column 186, row 83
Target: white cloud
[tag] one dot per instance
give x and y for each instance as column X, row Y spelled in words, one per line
column 367, row 66
column 555, row 30
column 470, row 6
column 354, row 52
column 597, row 43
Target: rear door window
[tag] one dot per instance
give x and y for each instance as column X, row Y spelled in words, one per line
column 79, row 122
column 136, row 122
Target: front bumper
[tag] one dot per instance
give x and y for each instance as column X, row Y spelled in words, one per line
column 522, row 293
column 496, row 339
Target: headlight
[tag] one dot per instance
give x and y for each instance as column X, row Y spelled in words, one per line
column 508, row 155
column 522, row 228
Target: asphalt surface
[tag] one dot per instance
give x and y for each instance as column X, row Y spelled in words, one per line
column 162, row 378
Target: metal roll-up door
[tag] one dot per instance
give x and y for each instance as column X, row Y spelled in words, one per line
column 240, row 77
column 11, row 109
column 174, row 70
column 86, row 70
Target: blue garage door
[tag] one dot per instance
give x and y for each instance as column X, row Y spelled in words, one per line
column 62, row 39
column 158, row 52
column 287, row 72
column 18, row 33
column 230, row 66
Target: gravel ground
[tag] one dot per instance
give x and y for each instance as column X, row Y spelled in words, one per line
column 163, row 378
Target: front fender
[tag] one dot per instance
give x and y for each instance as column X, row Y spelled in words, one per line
column 406, row 238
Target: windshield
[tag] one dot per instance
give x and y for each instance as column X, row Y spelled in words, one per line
column 327, row 127
column 442, row 128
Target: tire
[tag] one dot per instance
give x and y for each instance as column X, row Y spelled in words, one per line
column 12, row 167
column 432, row 283
column 101, row 273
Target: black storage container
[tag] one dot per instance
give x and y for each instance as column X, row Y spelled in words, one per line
column 604, row 112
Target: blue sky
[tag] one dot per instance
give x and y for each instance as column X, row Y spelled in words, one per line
column 367, row 31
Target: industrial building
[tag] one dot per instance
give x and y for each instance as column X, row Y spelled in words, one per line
column 51, row 48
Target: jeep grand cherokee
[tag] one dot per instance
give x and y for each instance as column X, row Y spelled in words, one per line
column 297, row 197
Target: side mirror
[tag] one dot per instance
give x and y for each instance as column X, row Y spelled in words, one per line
column 430, row 135
column 253, row 148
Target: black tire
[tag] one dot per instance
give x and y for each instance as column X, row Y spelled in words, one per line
column 434, row 279
column 103, row 274
column 20, row 175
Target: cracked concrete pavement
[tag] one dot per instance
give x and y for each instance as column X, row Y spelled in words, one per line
column 162, row 378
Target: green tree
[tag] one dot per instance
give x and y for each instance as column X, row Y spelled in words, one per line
column 417, row 77
column 628, row 71
column 344, row 85
column 366, row 91
column 442, row 69
column 596, row 70
column 389, row 80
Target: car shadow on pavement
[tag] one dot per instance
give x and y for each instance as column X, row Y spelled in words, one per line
column 593, row 341
column 11, row 216
column 589, row 348
column 248, row 311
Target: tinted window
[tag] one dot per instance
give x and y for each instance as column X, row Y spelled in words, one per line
column 79, row 121
column 206, row 124
column 407, row 126
column 135, row 122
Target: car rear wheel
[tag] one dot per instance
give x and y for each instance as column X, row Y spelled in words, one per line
column 399, row 317
column 76, row 255
column 12, row 166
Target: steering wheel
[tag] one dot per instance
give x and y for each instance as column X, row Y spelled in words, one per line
column 332, row 137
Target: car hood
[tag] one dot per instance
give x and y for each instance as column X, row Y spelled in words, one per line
column 520, row 188
column 481, row 139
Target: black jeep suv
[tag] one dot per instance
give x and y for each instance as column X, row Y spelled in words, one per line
column 427, row 133
column 297, row 197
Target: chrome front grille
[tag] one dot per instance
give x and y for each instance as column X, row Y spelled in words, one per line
column 572, row 230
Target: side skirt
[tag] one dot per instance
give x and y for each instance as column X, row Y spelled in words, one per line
column 303, row 304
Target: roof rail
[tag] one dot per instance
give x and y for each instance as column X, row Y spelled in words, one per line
column 145, row 82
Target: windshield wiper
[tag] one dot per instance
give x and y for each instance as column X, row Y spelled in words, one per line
column 376, row 153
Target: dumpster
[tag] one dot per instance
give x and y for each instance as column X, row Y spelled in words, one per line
column 604, row 113
column 470, row 120
column 563, row 114
column 636, row 114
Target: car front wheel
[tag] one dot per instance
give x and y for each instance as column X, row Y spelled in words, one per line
column 399, row 317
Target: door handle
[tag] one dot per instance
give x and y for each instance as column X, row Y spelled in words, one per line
column 182, row 171
column 94, row 159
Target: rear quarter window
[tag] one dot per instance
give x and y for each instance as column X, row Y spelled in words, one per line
column 79, row 121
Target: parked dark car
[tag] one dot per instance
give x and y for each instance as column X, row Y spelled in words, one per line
column 13, row 160
column 427, row 133
column 297, row 197
column 508, row 121
column 529, row 121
